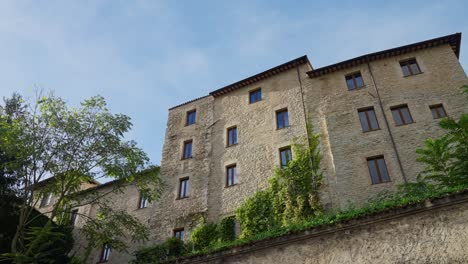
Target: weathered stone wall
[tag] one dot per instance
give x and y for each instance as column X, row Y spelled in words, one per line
column 334, row 111
column 257, row 152
column 431, row 233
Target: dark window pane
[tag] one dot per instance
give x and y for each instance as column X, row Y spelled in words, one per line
column 74, row 216
column 285, row 156
column 255, row 96
column 187, row 150
column 359, row 81
column 232, row 136
column 378, row 170
column 396, row 117
column 373, row 171
column 373, row 119
column 414, row 68
column 282, row 119
column 438, row 111
column 350, row 84
column 231, row 176
column 191, row 117
column 406, row 115
column 406, row 71
column 383, row 170
column 363, row 119
column 179, row 234
column 183, row 188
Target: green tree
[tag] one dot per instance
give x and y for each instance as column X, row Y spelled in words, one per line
column 293, row 192
column 74, row 145
column 446, row 158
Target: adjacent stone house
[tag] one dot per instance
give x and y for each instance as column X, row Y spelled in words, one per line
column 372, row 112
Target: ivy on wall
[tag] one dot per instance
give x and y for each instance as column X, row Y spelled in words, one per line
column 292, row 195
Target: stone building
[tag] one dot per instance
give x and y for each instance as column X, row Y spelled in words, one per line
column 372, row 112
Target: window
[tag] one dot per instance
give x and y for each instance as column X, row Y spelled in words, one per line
column 285, row 156
column 143, row 203
column 187, row 149
column 378, row 170
column 282, row 119
column 191, row 117
column 438, row 111
column 232, row 136
column 410, row 67
column 354, row 81
column 74, row 216
column 105, row 253
column 231, row 175
column 368, row 119
column 46, row 199
column 401, row 115
column 255, row 96
column 183, row 188
column 179, row 233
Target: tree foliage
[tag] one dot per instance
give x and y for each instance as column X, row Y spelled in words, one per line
column 292, row 195
column 446, row 158
column 47, row 138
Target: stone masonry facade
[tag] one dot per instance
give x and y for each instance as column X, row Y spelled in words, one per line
column 320, row 95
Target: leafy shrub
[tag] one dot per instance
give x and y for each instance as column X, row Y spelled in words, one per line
column 171, row 248
column 256, row 214
column 292, row 195
column 204, row 236
column 226, row 229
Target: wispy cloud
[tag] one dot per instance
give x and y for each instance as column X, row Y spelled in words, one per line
column 145, row 56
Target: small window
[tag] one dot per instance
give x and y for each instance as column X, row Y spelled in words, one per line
column 179, row 233
column 187, row 149
column 105, row 253
column 368, row 119
column 232, row 136
column 74, row 216
column 255, row 96
column 285, row 156
column 183, row 188
column 401, row 115
column 410, row 67
column 143, row 203
column 282, row 119
column 354, row 81
column 378, row 170
column 231, row 174
column 438, row 111
column 191, row 117
column 46, row 199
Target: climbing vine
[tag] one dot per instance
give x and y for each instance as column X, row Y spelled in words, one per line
column 292, row 195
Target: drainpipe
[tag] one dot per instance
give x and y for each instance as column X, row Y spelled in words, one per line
column 311, row 161
column 386, row 122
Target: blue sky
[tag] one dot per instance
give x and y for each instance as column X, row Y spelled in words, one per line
column 146, row 56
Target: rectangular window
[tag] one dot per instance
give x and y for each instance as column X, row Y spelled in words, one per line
column 191, row 117
column 232, row 136
column 354, row 81
column 183, row 188
column 187, row 149
column 401, row 115
column 231, row 175
column 255, row 96
column 143, row 203
column 378, row 170
column 368, row 119
column 410, row 67
column 105, row 253
column 438, row 111
column 285, row 156
column 282, row 119
column 74, row 216
column 179, row 233
column 46, row 199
